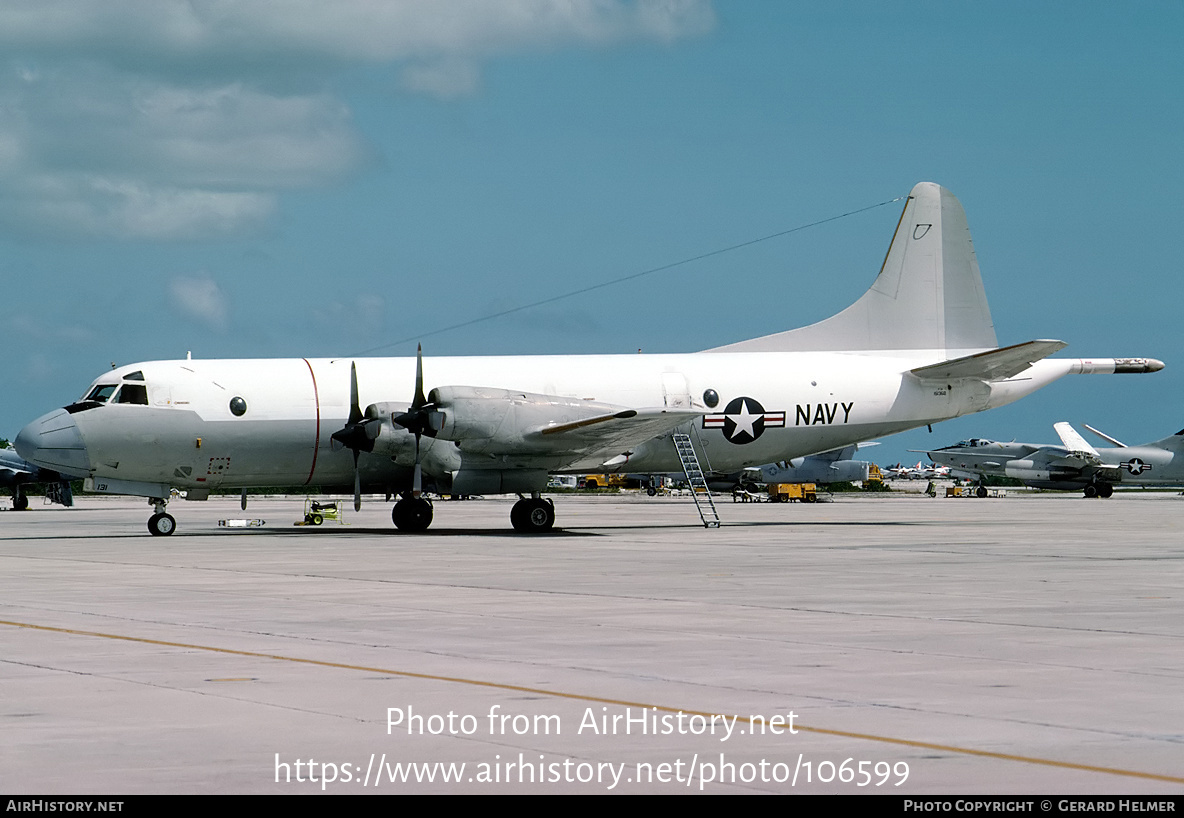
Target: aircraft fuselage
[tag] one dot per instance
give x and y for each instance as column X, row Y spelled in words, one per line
column 771, row 406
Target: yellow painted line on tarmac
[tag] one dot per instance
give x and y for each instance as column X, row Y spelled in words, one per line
column 924, row 745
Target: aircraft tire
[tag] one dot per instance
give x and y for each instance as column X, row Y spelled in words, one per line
column 981, row 491
column 1091, row 490
column 412, row 515
column 20, row 502
column 651, row 491
column 161, row 525
column 533, row 516
column 1105, row 490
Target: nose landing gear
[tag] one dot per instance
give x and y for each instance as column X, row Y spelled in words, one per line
column 160, row 524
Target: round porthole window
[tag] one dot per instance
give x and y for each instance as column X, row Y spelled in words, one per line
column 238, row 407
column 711, row 398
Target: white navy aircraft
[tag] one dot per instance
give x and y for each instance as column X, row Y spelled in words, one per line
column 1073, row 466
column 919, row 347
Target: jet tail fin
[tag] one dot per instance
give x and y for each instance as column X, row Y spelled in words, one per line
column 928, row 295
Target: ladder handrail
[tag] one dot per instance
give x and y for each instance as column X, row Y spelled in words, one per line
column 694, row 473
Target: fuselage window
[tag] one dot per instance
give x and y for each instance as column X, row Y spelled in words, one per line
column 133, row 393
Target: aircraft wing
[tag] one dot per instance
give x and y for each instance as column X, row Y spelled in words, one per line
column 1106, row 437
column 1076, row 444
column 992, row 365
column 546, row 429
column 11, row 464
column 610, row 434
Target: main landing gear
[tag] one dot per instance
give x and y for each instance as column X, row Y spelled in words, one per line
column 160, row 524
column 533, row 515
column 412, row 514
column 1102, row 490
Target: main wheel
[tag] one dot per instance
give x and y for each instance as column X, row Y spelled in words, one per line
column 1091, row 490
column 533, row 516
column 161, row 525
column 981, row 491
column 1105, row 490
column 412, row 514
column 20, row 502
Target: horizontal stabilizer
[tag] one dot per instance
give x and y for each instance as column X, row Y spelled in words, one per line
column 993, row 365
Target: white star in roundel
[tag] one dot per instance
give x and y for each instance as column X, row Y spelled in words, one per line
column 744, row 420
column 1137, row 466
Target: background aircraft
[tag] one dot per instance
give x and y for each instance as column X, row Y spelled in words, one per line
column 917, row 348
column 16, row 473
column 1073, row 465
column 835, row 466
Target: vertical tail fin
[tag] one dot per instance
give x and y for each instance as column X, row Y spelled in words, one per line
column 929, row 294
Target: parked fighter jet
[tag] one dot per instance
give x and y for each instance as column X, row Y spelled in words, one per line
column 835, row 466
column 917, row 348
column 15, row 474
column 1075, row 465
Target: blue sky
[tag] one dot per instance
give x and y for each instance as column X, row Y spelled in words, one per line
column 302, row 178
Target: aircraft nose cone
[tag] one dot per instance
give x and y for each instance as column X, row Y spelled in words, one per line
column 54, row 442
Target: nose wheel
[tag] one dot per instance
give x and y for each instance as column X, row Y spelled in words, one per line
column 161, row 524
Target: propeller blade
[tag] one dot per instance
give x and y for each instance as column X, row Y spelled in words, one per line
column 419, row 400
column 417, row 478
column 357, row 484
column 355, row 411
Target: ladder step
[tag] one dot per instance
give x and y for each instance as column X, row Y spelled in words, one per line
column 700, row 492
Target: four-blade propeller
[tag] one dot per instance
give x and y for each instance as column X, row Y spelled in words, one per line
column 358, row 434
column 421, row 419
column 362, row 428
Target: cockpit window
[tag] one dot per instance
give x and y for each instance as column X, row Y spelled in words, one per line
column 101, row 393
column 973, row 443
column 133, row 393
column 134, row 376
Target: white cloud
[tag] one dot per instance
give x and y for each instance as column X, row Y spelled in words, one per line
column 199, row 297
column 191, row 31
column 447, row 79
column 171, row 119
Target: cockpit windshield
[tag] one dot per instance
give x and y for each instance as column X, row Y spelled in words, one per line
column 972, row 443
column 109, row 393
column 102, row 392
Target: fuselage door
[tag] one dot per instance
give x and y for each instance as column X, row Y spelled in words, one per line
column 674, row 391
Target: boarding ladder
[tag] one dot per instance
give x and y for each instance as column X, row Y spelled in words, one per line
column 698, row 483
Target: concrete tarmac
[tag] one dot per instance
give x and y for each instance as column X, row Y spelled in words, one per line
column 876, row 644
